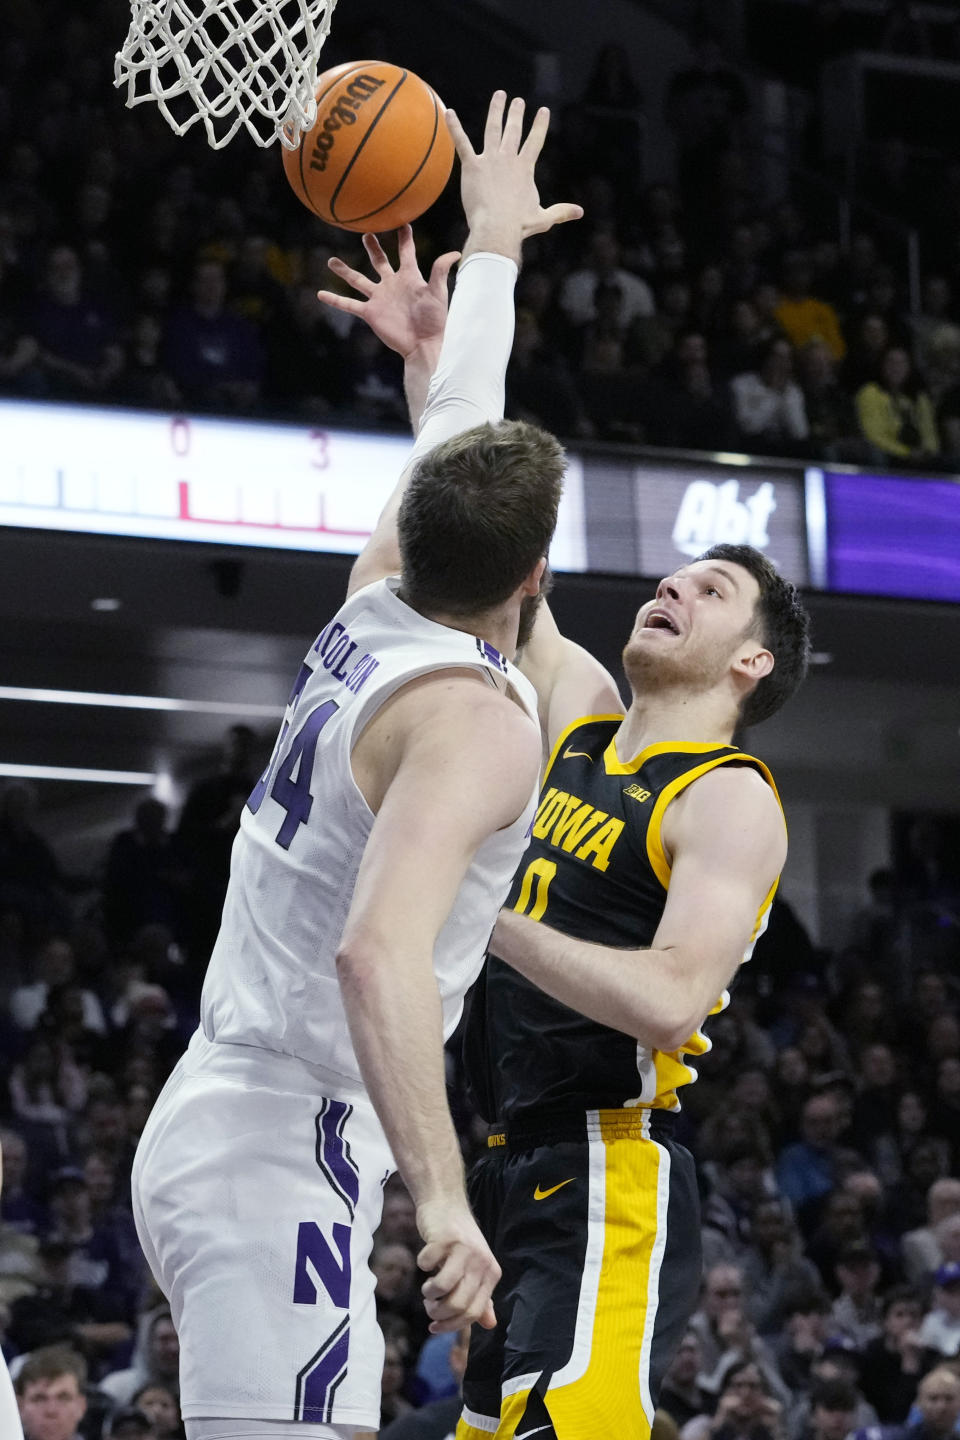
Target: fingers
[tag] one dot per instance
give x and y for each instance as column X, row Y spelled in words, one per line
column 441, row 270
column 531, row 147
column 343, row 271
column 460, row 138
column 376, row 255
column 510, row 139
column 493, row 130
column 406, row 249
column 346, row 303
column 556, row 215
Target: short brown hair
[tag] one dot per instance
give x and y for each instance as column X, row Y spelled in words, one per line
column 49, row 1364
column 782, row 625
column 479, row 512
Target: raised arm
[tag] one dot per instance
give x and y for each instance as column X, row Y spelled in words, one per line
column 502, row 208
column 727, row 843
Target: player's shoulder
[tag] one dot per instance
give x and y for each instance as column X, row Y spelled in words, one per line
column 736, row 794
column 457, row 706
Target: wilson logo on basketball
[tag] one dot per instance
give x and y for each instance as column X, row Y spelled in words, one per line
column 343, row 113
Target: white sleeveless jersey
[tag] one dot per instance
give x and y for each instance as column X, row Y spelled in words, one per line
column 272, row 980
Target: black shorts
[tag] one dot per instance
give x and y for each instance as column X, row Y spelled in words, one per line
column 596, row 1225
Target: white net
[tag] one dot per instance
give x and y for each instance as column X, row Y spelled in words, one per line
column 228, row 63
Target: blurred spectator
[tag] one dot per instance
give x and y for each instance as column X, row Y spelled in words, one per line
column 30, row 874
column 808, row 1170
column 437, row 1420
column 938, row 1402
column 895, row 412
column 857, row 1311
column 156, row 1359
column 706, row 107
column 144, row 876
column 46, row 1087
column 161, row 1404
column 130, row 1423
column 726, row 1335
column 214, row 357
column 830, row 413
column 208, row 825
column 833, row 1411
column 801, row 315
column 19, row 1207
column 50, row 1392
column 776, row 1272
column 768, row 403
column 685, row 405
column 940, row 1330
column 54, row 966
column 869, row 344
column 393, row 1404
column 892, row 1362
column 58, row 1312
column 539, row 386
column 602, row 267
column 680, row 1392
column 144, row 380
column 78, row 352
column 747, row 1409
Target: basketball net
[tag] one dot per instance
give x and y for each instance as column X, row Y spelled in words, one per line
column 229, row 63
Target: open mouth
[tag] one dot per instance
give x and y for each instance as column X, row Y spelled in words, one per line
column 660, row 620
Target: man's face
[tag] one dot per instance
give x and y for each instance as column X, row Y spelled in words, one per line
column 833, row 1424
column 821, row 1120
column 695, row 628
column 686, row 1364
column 52, row 1409
column 902, row 1317
column 164, row 1347
column 948, row 1298
column 723, row 1292
column 939, row 1398
column 160, row 1405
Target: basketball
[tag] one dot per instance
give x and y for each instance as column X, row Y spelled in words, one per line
column 379, row 152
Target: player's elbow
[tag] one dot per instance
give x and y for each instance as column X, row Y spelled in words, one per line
column 674, row 1030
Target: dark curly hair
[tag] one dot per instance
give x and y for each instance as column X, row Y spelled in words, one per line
column 782, row 624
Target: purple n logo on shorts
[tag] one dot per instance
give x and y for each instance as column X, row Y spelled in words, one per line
column 333, row 1276
column 317, row 1382
column 333, row 1152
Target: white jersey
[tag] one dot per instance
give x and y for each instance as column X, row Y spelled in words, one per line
column 272, row 980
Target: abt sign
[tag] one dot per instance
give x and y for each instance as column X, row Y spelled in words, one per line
column 717, row 514
column 681, row 510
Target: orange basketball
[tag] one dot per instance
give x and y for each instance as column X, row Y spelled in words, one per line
column 379, row 152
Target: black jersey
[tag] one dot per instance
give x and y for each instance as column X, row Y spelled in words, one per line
column 596, row 870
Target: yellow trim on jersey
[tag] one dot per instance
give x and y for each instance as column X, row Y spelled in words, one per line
column 607, row 1398
column 565, row 734
column 655, row 853
column 616, row 766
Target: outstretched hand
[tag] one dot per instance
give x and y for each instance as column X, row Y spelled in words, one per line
column 497, row 186
column 402, row 308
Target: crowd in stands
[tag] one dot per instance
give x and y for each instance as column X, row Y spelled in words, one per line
column 141, row 269
column 825, row 1122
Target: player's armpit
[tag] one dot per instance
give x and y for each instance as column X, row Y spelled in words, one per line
column 569, row 682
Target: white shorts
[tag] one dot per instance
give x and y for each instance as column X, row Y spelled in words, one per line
column 256, row 1204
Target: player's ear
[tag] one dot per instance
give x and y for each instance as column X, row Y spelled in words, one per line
column 531, row 586
column 753, row 661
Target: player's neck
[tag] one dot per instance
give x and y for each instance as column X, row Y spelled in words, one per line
column 673, row 717
column 498, row 627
